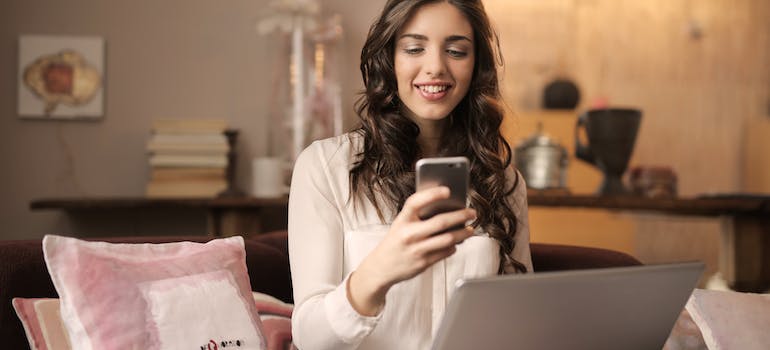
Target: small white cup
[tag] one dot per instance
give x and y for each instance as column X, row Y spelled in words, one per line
column 268, row 180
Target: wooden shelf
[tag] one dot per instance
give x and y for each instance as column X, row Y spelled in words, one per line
column 88, row 203
column 752, row 205
column 224, row 215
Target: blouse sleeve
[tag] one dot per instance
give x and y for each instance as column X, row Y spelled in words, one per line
column 323, row 317
column 521, row 251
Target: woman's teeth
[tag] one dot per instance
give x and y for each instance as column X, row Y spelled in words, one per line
column 432, row 89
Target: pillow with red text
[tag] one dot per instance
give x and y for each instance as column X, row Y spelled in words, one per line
column 181, row 295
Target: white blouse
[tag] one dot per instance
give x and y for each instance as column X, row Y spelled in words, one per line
column 328, row 238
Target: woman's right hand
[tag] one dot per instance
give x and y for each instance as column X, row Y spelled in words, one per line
column 409, row 248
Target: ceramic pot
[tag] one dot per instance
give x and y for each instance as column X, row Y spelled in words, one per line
column 542, row 161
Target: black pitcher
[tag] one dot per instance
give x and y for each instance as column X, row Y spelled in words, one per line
column 611, row 134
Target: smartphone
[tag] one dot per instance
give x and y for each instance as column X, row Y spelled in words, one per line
column 451, row 172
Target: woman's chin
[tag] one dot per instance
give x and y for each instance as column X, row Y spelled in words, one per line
column 432, row 115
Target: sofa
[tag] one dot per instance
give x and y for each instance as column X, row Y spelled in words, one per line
column 23, row 271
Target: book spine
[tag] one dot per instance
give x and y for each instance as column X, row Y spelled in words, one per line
column 190, row 148
column 163, row 160
column 186, row 188
column 200, row 139
column 158, row 174
column 189, row 126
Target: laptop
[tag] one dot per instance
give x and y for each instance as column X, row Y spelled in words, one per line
column 611, row 308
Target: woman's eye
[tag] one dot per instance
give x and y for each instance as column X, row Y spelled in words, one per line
column 413, row 50
column 456, row 53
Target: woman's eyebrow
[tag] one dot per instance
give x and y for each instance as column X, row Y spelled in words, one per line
column 413, row 36
column 453, row 38
column 449, row 39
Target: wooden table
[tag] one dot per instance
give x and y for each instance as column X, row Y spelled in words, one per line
column 745, row 251
column 224, row 216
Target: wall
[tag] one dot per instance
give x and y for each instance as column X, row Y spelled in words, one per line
column 164, row 59
column 200, row 58
column 756, row 161
column 697, row 69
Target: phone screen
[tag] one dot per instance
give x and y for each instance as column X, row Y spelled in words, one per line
column 451, row 172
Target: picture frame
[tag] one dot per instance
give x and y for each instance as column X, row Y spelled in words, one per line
column 61, row 77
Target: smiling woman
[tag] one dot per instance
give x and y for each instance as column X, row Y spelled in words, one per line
column 367, row 272
column 434, row 60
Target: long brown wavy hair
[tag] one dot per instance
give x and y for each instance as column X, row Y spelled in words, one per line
column 385, row 167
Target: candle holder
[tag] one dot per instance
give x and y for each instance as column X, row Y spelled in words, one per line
column 232, row 189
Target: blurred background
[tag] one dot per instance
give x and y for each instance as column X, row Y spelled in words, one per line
column 698, row 70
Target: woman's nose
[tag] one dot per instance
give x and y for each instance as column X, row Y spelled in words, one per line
column 434, row 64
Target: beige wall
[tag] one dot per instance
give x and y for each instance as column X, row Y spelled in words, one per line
column 697, row 92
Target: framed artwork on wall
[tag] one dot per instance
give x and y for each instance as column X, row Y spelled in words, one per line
column 61, row 77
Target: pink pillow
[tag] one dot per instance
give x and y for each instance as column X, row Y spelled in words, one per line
column 42, row 323
column 45, row 331
column 181, row 295
column 276, row 321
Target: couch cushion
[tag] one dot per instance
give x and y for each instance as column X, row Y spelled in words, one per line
column 557, row 257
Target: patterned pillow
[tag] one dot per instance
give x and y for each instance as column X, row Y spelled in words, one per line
column 180, row 295
column 42, row 322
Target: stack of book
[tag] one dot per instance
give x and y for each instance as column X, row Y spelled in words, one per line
column 188, row 158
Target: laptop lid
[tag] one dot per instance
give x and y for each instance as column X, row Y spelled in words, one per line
column 612, row 308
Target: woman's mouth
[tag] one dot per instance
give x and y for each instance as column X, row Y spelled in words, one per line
column 433, row 92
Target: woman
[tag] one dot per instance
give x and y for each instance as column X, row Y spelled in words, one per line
column 367, row 272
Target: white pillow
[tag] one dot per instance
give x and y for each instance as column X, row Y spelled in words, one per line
column 731, row 320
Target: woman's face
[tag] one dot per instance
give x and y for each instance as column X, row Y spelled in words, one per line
column 434, row 58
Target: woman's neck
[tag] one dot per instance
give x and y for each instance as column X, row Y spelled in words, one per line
column 431, row 130
column 429, row 146
column 429, row 139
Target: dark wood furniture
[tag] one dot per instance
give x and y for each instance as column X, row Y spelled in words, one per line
column 745, row 250
column 225, row 216
column 745, row 260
